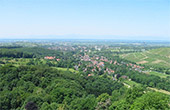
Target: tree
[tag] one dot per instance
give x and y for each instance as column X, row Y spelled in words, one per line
column 46, row 106
column 84, row 103
column 103, row 102
column 31, row 106
column 151, row 101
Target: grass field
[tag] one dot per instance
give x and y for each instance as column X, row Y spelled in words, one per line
column 155, row 57
column 65, row 69
column 132, row 83
column 157, row 90
column 158, row 74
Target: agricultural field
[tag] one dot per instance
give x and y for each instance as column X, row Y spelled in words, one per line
column 158, row 74
column 156, row 57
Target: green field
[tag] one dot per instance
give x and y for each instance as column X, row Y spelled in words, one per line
column 132, row 83
column 155, row 57
column 65, row 69
column 157, row 90
column 23, row 61
column 158, row 74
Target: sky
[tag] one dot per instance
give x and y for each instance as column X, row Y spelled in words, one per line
column 97, row 19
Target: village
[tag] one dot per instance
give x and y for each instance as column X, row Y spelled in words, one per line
column 93, row 64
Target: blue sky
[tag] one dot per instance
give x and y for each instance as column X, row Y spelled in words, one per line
column 125, row 19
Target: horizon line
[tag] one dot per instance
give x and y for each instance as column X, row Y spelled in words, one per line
column 165, row 40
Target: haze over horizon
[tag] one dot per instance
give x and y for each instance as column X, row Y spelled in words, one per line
column 92, row 37
column 85, row 19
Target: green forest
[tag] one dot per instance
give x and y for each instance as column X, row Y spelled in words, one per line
column 30, row 82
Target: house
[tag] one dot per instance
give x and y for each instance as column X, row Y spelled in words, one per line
column 90, row 75
column 101, row 64
column 58, row 59
column 124, row 77
column 93, row 70
column 94, row 62
column 49, row 58
column 115, row 62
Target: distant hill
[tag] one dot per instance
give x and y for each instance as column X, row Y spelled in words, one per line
column 156, row 57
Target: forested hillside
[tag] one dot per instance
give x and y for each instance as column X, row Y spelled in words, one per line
column 51, row 89
column 75, row 81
